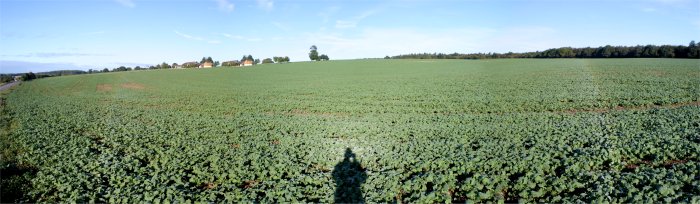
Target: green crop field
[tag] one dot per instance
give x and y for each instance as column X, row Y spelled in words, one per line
column 509, row 130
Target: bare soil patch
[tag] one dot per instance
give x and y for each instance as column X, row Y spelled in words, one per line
column 104, row 87
column 136, row 86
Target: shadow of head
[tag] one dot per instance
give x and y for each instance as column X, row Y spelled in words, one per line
column 349, row 176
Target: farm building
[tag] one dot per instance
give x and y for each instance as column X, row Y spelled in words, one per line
column 206, row 65
column 190, row 64
column 247, row 63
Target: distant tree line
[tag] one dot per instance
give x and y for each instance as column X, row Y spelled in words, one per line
column 280, row 59
column 639, row 51
column 4, row 78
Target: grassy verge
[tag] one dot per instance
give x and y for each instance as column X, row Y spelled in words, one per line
column 14, row 177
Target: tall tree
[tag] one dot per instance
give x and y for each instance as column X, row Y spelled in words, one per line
column 28, row 76
column 313, row 53
column 693, row 49
column 210, row 60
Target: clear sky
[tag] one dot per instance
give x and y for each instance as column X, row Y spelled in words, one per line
column 41, row 35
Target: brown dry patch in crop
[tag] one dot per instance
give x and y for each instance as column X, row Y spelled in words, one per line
column 658, row 73
column 136, row 86
column 309, row 113
column 674, row 162
column 105, row 101
column 300, row 112
column 248, row 184
column 208, row 185
column 104, row 87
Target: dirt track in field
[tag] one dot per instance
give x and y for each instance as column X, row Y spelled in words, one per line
column 8, row 85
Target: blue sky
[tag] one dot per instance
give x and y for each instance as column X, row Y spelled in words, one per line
column 81, row 34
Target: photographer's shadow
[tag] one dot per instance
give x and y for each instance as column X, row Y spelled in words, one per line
column 349, row 176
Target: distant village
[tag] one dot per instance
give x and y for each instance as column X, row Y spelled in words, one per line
column 208, row 62
column 205, row 62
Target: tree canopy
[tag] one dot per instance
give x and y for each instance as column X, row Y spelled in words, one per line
column 313, row 54
column 639, row 51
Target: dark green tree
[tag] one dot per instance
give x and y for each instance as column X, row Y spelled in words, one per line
column 323, row 57
column 28, row 76
column 313, row 53
column 693, row 49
